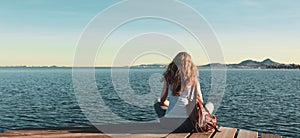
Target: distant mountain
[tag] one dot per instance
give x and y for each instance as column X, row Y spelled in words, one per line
column 252, row 64
column 249, row 63
column 267, row 63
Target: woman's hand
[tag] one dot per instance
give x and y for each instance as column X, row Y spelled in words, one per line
column 164, row 103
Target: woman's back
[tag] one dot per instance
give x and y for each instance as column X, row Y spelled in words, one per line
column 177, row 104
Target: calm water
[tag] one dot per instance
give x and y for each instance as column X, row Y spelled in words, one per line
column 260, row 100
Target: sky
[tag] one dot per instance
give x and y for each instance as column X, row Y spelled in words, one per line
column 46, row 32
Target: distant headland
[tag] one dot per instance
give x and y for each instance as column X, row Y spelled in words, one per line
column 246, row 64
column 265, row 64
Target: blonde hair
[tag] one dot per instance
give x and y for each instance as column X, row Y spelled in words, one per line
column 181, row 73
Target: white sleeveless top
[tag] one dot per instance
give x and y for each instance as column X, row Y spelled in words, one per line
column 177, row 104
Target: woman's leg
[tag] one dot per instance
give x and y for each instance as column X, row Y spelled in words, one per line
column 176, row 125
column 210, row 107
column 185, row 127
column 159, row 111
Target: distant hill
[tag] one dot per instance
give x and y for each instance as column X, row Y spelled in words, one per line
column 254, row 64
column 267, row 63
column 249, row 63
column 246, row 64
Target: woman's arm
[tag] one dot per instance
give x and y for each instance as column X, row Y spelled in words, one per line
column 164, row 94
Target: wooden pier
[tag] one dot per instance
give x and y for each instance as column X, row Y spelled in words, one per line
column 131, row 131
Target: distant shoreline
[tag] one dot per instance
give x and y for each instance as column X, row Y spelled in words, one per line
column 199, row 67
column 246, row 64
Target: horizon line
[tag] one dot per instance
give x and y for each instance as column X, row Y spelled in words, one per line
column 103, row 66
column 100, row 66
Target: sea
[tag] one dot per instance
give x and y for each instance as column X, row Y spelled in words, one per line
column 263, row 100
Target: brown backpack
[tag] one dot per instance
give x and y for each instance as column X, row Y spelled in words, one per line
column 199, row 116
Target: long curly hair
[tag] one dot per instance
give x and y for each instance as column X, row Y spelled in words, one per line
column 181, row 73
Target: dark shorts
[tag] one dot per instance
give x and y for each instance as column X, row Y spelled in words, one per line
column 176, row 125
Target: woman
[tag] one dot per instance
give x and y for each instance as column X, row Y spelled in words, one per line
column 180, row 83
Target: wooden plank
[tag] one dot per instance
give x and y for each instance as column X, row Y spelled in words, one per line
column 247, row 134
column 202, row 135
column 89, row 135
column 270, row 136
column 226, row 132
column 134, row 128
column 137, row 135
column 68, row 135
column 178, row 135
column 19, row 133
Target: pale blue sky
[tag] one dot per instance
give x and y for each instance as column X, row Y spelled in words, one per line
column 45, row 32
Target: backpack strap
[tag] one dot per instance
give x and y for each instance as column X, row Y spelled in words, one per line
column 201, row 102
column 192, row 91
